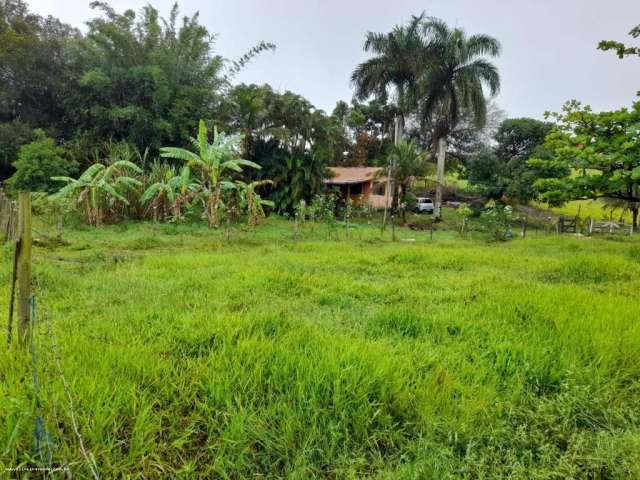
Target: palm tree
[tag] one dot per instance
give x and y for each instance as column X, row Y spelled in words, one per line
column 214, row 161
column 399, row 57
column 455, row 84
column 98, row 185
column 408, row 162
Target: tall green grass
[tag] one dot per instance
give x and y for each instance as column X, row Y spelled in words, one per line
column 190, row 356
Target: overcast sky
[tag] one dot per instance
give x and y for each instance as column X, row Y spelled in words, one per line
column 549, row 46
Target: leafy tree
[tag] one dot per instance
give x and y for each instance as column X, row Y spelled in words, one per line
column 504, row 169
column 621, row 49
column 37, row 162
column 487, row 173
column 600, row 154
column 453, row 83
column 99, row 187
column 145, row 78
column 215, row 161
column 36, row 77
column 36, row 74
column 13, row 134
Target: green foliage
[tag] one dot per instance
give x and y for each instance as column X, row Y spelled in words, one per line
column 100, row 188
column 621, row 49
column 12, row 135
column 37, row 162
column 407, row 162
column 600, row 153
column 496, row 219
column 395, row 64
column 505, row 169
column 166, row 69
column 215, row 162
column 452, row 83
column 37, row 74
column 253, row 202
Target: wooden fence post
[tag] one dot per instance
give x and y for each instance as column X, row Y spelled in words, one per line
column 523, row 230
column 24, row 266
column 393, row 228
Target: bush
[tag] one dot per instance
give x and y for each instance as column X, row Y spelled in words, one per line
column 496, row 220
column 37, row 162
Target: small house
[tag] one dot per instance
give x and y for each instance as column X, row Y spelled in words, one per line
column 361, row 184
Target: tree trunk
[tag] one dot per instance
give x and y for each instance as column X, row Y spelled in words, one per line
column 390, row 190
column 634, row 213
column 442, row 151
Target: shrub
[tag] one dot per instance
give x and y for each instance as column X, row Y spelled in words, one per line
column 37, row 162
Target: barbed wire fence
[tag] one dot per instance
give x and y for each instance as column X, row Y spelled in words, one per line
column 15, row 227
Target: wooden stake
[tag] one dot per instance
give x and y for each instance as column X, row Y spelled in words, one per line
column 393, row 228
column 24, row 266
column 12, row 291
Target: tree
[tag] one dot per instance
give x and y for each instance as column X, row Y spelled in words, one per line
column 621, row 49
column 37, row 162
column 98, row 187
column 504, row 169
column 453, row 84
column 398, row 59
column 215, row 161
column 36, row 74
column 36, row 77
column 600, row 153
column 407, row 163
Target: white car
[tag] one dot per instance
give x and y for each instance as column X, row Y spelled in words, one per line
column 424, row 204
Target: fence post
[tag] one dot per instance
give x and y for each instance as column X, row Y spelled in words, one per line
column 560, row 225
column 24, row 266
column 523, row 231
column 393, row 228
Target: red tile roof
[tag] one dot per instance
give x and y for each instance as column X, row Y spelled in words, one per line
column 350, row 175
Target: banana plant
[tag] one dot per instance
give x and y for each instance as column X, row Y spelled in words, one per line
column 215, row 162
column 253, row 202
column 167, row 196
column 99, row 187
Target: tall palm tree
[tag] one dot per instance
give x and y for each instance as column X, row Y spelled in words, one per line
column 455, row 84
column 214, row 161
column 399, row 56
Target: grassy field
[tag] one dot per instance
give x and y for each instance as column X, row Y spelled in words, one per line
column 589, row 208
column 190, row 355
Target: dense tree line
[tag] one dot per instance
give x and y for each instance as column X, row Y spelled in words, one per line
column 136, row 82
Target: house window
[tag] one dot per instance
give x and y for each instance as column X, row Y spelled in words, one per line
column 378, row 189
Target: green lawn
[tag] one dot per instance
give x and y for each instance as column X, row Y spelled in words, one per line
column 192, row 356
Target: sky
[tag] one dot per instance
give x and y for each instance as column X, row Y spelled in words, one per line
column 549, row 46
